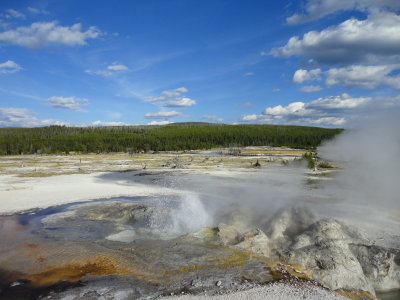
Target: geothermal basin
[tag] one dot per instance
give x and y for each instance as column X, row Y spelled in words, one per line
column 98, row 226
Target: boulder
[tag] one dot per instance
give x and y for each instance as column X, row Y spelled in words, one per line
column 222, row 234
column 226, row 234
column 324, row 250
column 380, row 265
column 255, row 241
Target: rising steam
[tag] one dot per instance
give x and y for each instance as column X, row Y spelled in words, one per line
column 370, row 153
column 367, row 182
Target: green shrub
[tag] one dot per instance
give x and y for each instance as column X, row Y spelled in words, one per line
column 325, row 165
column 310, row 160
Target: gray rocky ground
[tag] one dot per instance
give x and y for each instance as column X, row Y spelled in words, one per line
column 274, row 291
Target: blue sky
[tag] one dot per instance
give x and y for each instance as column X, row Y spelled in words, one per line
column 92, row 63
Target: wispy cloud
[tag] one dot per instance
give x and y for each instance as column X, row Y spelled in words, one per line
column 37, row 11
column 310, row 88
column 14, row 14
column 111, row 70
column 163, row 115
column 335, row 121
column 19, row 94
column 248, row 74
column 100, row 72
column 118, row 67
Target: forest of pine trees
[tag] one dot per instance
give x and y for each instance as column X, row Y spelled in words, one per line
column 185, row 136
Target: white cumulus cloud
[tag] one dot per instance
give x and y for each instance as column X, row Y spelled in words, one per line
column 306, row 75
column 71, row 103
column 22, row 117
column 327, row 111
column 295, row 108
column 9, row 67
column 247, row 118
column 180, row 102
column 337, row 102
column 360, row 76
column 168, row 95
column 352, row 41
column 316, row 9
column 172, row 98
column 368, row 77
column 42, row 34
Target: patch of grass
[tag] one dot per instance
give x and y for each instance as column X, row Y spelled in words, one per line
column 325, row 165
column 46, row 174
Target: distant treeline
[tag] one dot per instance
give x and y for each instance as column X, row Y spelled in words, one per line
column 186, row 136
